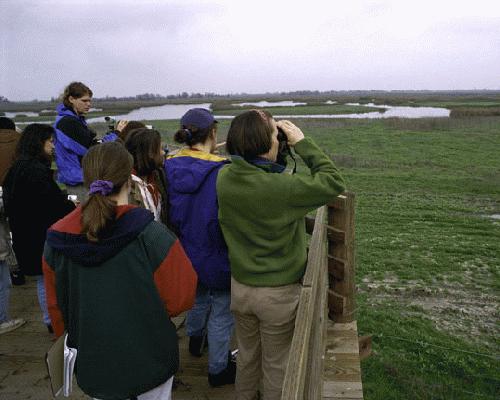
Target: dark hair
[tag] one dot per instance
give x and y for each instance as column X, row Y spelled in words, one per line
column 76, row 90
column 191, row 134
column 99, row 210
column 144, row 144
column 7, row 123
column 32, row 141
column 131, row 125
column 250, row 133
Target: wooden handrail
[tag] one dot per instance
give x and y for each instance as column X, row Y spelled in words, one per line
column 310, row 324
column 327, row 291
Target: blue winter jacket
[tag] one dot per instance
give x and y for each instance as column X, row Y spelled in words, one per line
column 68, row 151
column 110, row 137
column 191, row 177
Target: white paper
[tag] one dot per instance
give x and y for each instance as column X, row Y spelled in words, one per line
column 69, row 366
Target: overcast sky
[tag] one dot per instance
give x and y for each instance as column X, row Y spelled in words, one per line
column 127, row 47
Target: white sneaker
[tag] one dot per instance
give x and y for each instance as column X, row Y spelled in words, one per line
column 11, row 325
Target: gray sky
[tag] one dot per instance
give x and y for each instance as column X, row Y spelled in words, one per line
column 126, row 47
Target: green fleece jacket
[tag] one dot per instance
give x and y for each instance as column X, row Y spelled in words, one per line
column 262, row 215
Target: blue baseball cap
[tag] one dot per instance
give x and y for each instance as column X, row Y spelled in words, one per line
column 199, row 117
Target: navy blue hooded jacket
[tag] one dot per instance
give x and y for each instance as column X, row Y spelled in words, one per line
column 192, row 177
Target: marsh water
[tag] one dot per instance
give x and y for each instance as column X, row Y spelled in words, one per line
column 176, row 111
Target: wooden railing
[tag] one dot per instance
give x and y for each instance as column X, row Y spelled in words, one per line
column 327, row 291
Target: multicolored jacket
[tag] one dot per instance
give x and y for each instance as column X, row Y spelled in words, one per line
column 69, row 152
column 191, row 176
column 115, row 299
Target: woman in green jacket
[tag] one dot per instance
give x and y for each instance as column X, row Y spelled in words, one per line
column 261, row 213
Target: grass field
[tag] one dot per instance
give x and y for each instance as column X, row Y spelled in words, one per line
column 427, row 250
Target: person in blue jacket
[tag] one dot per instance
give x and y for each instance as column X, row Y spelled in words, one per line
column 73, row 137
column 191, row 177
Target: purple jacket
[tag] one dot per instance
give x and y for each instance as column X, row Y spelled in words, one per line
column 68, row 151
column 191, row 177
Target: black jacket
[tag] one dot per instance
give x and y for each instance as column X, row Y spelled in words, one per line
column 33, row 202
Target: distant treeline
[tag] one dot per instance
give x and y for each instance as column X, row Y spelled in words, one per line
column 444, row 98
column 296, row 93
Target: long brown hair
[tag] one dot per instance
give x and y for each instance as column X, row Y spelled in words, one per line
column 144, row 144
column 107, row 162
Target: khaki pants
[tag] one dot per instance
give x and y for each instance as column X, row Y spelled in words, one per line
column 264, row 323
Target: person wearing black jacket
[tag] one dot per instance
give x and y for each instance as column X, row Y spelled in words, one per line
column 33, row 202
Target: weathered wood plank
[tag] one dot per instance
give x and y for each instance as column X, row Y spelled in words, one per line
column 336, row 304
column 294, row 381
column 336, row 267
column 341, row 247
column 316, row 250
column 342, row 374
column 314, row 382
column 335, row 234
column 307, row 346
column 338, row 203
column 342, row 390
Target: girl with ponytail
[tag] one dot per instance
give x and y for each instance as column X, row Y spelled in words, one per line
column 114, row 276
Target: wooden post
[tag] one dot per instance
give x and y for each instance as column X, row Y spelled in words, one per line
column 341, row 263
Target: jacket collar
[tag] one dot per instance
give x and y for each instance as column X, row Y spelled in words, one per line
column 202, row 155
column 261, row 163
column 65, row 235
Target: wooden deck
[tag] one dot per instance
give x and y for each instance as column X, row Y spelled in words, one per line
column 342, row 374
column 23, row 375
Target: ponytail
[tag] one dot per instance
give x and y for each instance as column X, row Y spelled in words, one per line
column 192, row 135
column 106, row 168
column 97, row 212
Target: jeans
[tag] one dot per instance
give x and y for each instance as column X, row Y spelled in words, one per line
column 4, row 291
column 42, row 299
column 211, row 312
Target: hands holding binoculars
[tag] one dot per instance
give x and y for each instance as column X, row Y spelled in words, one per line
column 292, row 131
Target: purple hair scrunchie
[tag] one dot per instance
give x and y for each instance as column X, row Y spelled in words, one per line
column 102, row 187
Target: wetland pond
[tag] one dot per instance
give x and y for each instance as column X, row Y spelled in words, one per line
column 176, row 111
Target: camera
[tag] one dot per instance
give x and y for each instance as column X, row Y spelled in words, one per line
column 111, row 123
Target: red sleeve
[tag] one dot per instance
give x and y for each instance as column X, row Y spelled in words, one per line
column 176, row 281
column 56, row 318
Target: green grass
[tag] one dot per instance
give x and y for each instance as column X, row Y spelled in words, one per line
column 303, row 110
column 427, row 253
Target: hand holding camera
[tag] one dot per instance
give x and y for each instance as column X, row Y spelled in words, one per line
column 121, row 124
column 292, row 132
column 114, row 125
